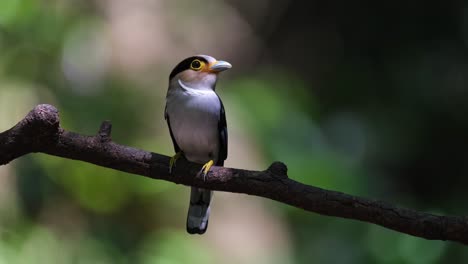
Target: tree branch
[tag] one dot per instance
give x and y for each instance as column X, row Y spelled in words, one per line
column 40, row 131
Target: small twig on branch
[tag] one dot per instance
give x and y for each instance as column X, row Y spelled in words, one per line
column 40, row 131
column 105, row 131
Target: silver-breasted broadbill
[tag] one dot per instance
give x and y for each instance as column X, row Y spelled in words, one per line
column 197, row 124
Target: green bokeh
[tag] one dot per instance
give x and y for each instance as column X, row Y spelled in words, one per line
column 360, row 103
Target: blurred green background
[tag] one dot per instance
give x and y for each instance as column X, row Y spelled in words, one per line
column 362, row 97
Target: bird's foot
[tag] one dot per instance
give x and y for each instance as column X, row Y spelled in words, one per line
column 206, row 168
column 172, row 162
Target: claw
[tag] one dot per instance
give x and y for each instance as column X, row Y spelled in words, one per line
column 206, row 168
column 172, row 162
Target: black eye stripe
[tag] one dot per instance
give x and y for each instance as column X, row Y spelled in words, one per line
column 185, row 65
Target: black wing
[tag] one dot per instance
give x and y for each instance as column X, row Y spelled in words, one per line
column 166, row 116
column 223, row 136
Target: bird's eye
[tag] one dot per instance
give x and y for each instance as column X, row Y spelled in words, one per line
column 196, row 65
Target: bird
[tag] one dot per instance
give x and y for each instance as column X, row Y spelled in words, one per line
column 196, row 120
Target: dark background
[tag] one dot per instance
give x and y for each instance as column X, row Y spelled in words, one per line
column 363, row 97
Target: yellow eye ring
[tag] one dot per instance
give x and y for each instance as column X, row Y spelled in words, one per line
column 196, row 65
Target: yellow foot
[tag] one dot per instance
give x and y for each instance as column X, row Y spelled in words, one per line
column 172, row 162
column 206, row 168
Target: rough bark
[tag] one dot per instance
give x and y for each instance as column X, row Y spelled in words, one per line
column 40, row 131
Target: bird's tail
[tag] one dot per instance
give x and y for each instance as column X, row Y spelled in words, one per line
column 199, row 210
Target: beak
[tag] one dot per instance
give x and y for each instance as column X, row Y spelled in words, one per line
column 220, row 66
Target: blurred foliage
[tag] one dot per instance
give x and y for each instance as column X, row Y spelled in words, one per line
column 361, row 97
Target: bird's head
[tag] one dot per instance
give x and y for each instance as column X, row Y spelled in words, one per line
column 198, row 72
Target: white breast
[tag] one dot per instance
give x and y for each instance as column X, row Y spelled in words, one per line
column 194, row 116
